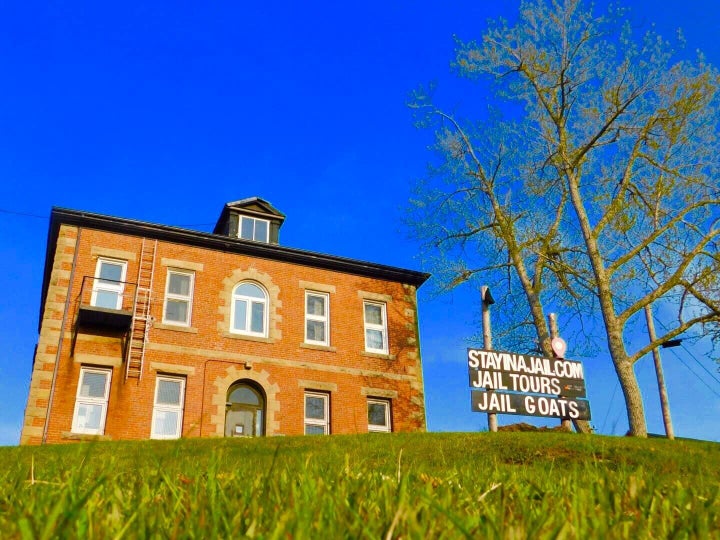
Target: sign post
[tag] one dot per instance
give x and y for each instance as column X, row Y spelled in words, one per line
column 525, row 384
column 558, row 347
column 487, row 301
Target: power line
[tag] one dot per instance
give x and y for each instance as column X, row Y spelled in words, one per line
column 706, row 370
column 195, row 225
column 27, row 214
column 712, row 376
column 23, row 214
column 696, row 375
column 612, row 399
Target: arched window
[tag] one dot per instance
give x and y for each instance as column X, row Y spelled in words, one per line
column 249, row 310
column 245, row 410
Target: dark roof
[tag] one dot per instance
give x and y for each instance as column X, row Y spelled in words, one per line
column 59, row 216
column 257, row 202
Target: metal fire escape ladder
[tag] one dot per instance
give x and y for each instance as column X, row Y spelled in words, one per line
column 141, row 321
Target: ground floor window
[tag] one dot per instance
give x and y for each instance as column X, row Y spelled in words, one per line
column 317, row 413
column 379, row 415
column 91, row 401
column 168, row 408
column 245, row 410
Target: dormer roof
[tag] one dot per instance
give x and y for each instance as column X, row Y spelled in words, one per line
column 256, row 205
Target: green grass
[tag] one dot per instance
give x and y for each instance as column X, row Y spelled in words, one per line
column 480, row 485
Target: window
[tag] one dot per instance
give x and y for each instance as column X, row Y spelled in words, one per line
column 249, row 310
column 375, row 328
column 379, row 415
column 317, row 413
column 168, row 408
column 108, row 285
column 178, row 297
column 91, row 401
column 254, row 229
column 316, row 318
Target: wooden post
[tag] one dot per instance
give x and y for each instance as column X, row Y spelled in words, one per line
column 487, row 301
column 565, row 423
column 664, row 404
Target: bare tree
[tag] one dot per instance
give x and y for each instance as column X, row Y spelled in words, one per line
column 596, row 188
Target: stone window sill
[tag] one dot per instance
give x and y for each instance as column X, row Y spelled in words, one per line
column 314, row 347
column 378, row 355
column 176, row 328
column 246, row 337
column 70, row 436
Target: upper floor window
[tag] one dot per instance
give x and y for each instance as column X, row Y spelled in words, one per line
column 109, row 284
column 375, row 327
column 178, row 297
column 254, row 229
column 91, row 401
column 249, row 310
column 317, row 330
column 168, row 408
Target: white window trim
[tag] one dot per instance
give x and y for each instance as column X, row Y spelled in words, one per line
column 325, row 319
column 179, row 297
column 378, row 327
column 169, row 408
column 254, row 220
column 84, row 400
column 118, row 288
column 387, row 428
column 324, row 423
column 248, row 312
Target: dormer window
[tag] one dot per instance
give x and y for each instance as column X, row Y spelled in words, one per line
column 254, row 229
column 250, row 219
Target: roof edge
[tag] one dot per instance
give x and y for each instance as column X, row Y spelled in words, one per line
column 276, row 252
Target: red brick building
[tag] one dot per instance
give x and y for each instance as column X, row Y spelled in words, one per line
column 150, row 331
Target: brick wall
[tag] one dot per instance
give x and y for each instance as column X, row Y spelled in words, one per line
column 50, row 331
column 211, row 358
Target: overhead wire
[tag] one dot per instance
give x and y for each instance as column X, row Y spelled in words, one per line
column 694, row 357
column 682, row 360
column 696, row 375
column 705, row 369
column 612, row 399
column 27, row 214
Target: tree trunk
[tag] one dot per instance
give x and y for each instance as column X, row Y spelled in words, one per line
column 623, row 367
column 633, row 398
column 613, row 328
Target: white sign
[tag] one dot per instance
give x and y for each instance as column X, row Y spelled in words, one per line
column 526, row 364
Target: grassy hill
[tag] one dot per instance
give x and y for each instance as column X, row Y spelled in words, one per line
column 479, row 485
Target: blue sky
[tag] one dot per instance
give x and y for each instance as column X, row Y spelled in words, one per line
column 164, row 111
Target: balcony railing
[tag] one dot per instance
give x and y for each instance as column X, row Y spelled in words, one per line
column 106, row 302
